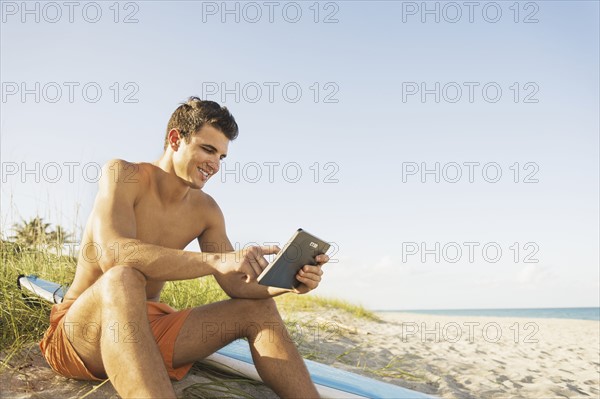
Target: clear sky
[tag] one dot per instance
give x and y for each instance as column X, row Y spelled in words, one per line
column 448, row 150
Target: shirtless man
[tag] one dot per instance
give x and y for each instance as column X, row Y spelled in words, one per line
column 111, row 323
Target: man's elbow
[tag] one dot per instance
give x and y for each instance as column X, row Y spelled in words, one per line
column 108, row 262
column 231, row 289
column 109, row 265
column 117, row 254
column 231, row 292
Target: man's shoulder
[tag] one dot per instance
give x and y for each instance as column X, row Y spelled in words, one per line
column 206, row 209
column 205, row 202
column 210, row 214
column 117, row 163
column 122, row 178
column 122, row 171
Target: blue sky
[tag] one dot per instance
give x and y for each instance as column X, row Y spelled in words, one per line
column 366, row 133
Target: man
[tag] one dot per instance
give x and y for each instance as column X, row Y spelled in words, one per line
column 111, row 324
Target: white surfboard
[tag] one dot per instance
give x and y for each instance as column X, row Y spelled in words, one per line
column 236, row 358
column 47, row 290
column 330, row 382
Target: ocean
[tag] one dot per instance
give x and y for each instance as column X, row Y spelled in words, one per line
column 543, row 313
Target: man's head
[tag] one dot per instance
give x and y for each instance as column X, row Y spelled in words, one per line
column 190, row 116
column 197, row 139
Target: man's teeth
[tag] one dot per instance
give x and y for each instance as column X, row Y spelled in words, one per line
column 203, row 172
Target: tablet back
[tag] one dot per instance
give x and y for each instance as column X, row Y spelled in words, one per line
column 301, row 250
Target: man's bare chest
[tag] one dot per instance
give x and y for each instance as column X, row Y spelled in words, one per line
column 172, row 226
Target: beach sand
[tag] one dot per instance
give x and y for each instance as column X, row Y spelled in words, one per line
column 483, row 357
column 446, row 356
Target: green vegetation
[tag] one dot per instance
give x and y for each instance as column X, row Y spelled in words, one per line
column 23, row 320
column 309, row 303
column 35, row 233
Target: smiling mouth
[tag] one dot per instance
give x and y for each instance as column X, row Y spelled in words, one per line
column 204, row 173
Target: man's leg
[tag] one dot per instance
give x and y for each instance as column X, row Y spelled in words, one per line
column 210, row 327
column 108, row 327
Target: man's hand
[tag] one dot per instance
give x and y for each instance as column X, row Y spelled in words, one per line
column 310, row 276
column 248, row 263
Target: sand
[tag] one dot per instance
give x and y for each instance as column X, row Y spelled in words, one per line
column 449, row 357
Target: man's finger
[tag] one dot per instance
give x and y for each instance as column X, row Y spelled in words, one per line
column 322, row 258
column 269, row 249
column 310, row 275
column 313, row 269
column 308, row 282
column 255, row 265
column 257, row 256
column 262, row 263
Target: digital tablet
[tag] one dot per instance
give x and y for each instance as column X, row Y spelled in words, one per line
column 301, row 249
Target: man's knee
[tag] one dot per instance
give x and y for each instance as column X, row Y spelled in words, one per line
column 122, row 279
column 254, row 309
column 267, row 305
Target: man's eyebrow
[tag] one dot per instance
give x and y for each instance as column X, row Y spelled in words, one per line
column 215, row 150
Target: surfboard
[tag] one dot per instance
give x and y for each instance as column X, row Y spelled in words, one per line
column 330, row 382
column 47, row 290
column 237, row 358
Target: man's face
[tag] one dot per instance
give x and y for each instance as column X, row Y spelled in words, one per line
column 200, row 159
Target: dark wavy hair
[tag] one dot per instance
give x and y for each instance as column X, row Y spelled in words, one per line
column 190, row 116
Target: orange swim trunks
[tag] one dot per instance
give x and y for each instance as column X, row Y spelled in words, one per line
column 165, row 323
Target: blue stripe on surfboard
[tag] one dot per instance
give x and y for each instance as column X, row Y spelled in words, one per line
column 331, row 377
column 321, row 374
column 57, row 290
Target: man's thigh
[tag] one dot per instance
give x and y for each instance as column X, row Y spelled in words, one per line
column 83, row 323
column 210, row 327
column 115, row 295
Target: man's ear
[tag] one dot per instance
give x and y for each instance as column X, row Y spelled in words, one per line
column 174, row 138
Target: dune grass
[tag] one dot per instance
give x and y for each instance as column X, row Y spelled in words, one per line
column 23, row 321
column 310, row 302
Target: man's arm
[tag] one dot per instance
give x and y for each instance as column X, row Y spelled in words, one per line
column 114, row 231
column 214, row 239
